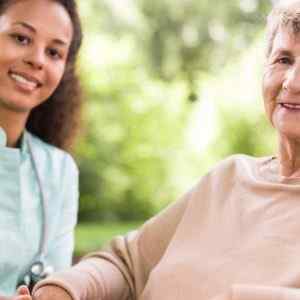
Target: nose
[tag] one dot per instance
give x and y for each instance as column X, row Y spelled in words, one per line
column 35, row 59
column 292, row 79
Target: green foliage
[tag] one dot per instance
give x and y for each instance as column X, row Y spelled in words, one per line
column 123, row 157
column 92, row 237
column 140, row 63
column 179, row 39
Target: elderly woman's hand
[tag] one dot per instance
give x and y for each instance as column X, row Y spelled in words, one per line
column 51, row 292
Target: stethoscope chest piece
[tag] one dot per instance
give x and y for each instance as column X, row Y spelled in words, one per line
column 36, row 272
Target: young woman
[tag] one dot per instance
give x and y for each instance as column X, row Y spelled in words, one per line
column 39, row 106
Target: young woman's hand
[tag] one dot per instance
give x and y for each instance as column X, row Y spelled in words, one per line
column 22, row 294
column 50, row 292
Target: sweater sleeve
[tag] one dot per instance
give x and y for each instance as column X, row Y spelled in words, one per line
column 252, row 292
column 122, row 270
column 260, row 292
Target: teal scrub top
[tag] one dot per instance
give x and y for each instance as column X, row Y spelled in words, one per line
column 21, row 208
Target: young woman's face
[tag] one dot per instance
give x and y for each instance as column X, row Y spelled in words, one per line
column 35, row 36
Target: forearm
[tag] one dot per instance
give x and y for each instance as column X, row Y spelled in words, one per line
column 123, row 269
column 93, row 278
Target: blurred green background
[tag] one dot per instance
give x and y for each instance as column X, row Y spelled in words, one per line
column 171, row 87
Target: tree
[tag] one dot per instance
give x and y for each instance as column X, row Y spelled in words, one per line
column 141, row 61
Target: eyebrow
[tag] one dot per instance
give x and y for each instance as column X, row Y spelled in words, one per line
column 283, row 51
column 33, row 30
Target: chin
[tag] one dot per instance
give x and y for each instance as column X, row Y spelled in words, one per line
column 287, row 124
column 16, row 105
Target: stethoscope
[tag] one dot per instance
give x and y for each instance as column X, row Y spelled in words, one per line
column 37, row 269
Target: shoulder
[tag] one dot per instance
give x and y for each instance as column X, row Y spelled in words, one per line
column 51, row 157
column 235, row 164
column 59, row 174
column 229, row 172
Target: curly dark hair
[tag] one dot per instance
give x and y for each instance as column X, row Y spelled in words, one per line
column 56, row 121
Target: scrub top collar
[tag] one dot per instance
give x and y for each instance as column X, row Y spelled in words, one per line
column 23, row 145
column 23, row 142
column 2, row 137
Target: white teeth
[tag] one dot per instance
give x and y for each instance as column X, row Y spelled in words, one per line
column 23, row 80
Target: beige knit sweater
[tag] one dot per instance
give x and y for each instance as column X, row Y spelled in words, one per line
column 235, row 235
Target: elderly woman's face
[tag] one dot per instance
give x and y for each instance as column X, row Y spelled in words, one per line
column 281, row 83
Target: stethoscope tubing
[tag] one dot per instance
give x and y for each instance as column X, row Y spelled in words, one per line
column 43, row 241
column 37, row 269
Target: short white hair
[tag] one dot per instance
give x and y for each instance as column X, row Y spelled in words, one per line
column 284, row 13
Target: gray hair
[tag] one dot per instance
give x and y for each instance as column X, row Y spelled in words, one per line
column 285, row 13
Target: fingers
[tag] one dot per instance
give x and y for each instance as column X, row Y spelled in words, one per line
column 23, row 297
column 23, row 290
column 17, row 297
column 23, row 293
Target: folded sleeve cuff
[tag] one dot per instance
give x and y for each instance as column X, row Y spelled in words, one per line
column 93, row 279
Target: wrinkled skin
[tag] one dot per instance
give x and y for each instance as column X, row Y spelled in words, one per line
column 281, row 87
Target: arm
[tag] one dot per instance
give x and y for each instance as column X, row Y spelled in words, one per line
column 122, row 270
column 256, row 292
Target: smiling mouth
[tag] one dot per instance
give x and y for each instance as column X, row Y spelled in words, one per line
column 24, row 81
column 290, row 106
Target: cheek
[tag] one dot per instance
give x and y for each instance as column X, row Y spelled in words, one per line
column 8, row 58
column 272, row 83
column 54, row 78
column 9, row 53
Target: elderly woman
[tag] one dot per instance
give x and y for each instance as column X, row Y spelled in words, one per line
column 236, row 234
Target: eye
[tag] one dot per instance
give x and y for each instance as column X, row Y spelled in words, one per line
column 21, row 39
column 284, row 61
column 54, row 53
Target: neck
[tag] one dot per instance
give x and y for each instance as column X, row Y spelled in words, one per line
column 13, row 123
column 289, row 157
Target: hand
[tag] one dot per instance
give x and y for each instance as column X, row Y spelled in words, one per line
column 22, row 294
column 50, row 292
